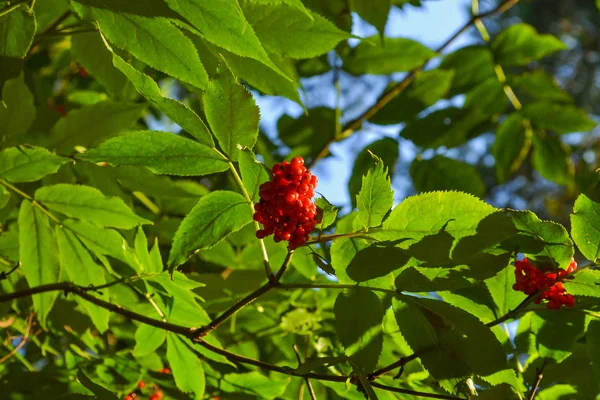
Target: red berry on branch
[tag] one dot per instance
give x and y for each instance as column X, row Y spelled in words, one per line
column 141, row 385
column 286, row 209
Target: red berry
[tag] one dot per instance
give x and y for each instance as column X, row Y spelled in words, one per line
column 83, row 72
column 141, row 385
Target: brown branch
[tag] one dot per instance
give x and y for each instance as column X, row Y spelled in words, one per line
column 311, row 390
column 23, row 339
column 399, row 87
column 414, row 392
column 536, row 385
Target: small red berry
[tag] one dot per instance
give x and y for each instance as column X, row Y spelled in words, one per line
column 83, row 72
column 141, row 385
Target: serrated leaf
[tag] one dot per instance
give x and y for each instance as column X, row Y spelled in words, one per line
column 81, row 269
column 253, row 384
column 520, row 44
column 374, row 12
column 372, row 56
column 328, row 213
column 585, row 283
column 99, row 121
column 100, row 241
column 148, row 339
column 155, row 41
column 427, row 89
column 89, row 50
column 558, row 118
column 89, row 204
column 175, row 110
column 375, row 197
column 17, row 111
column 512, row 144
column 386, row 149
column 585, row 226
column 551, row 158
column 186, row 366
column 161, row 152
column 231, row 112
column 28, row 164
column 558, row 391
column 19, row 27
column 273, row 24
column 224, row 25
column 254, row 173
column 38, row 256
column 100, row 392
column 443, row 173
column 358, row 317
column 214, row 217
column 148, row 264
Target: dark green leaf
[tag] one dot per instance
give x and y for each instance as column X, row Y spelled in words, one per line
column 488, row 97
column 253, row 384
column 558, row 118
column 308, row 134
column 155, row 41
column 540, row 85
column 17, row 111
column 375, row 197
column 551, row 158
column 81, row 269
column 376, row 261
column 372, row 56
column 358, row 317
column 471, row 65
column 162, row 152
column 28, row 164
column 442, row 173
column 9, row 245
column 100, row 393
column 520, row 44
column 273, row 23
column 38, row 256
column 186, row 366
column 214, row 217
column 89, row 204
column 593, row 346
column 374, row 12
column 18, row 29
column 512, row 144
column 386, row 149
column 232, row 113
column 428, row 87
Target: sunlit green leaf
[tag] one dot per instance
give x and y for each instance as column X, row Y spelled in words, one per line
column 186, row 366
column 28, row 164
column 520, row 44
column 375, row 197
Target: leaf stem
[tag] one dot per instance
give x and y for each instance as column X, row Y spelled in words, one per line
column 538, row 379
column 263, row 249
column 33, row 201
column 4, row 274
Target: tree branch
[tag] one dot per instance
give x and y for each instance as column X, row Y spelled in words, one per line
column 536, row 385
column 399, row 87
column 415, row 393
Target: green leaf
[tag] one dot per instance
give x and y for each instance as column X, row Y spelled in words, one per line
column 154, row 41
column 224, row 25
column 512, row 144
column 9, row 245
column 488, row 97
column 501, row 289
column 231, row 112
column 148, row 339
column 28, row 164
column 329, row 213
column 585, row 226
column 471, row 65
column 374, row 12
column 17, row 111
column 449, row 127
column 273, row 24
column 81, row 269
column 427, row 89
column 375, row 197
column 558, row 118
column 443, row 173
column 100, row 393
column 18, row 29
column 176, row 110
column 376, row 261
column 254, row 173
column 99, row 121
column 149, row 263
column 551, row 158
column 372, row 56
column 90, row 51
column 585, row 283
column 593, row 346
column 310, row 133
column 4, row 196
column 520, row 44
column 38, row 256
column 358, row 317
column 186, row 366
column 89, row 204
column 427, row 213
column 558, row 391
column 386, row 149
column 214, row 217
column 540, row 85
column 253, row 384
column 162, row 152
column 100, row 241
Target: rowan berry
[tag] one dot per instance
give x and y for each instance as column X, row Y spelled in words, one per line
column 141, row 385
column 529, row 280
column 286, row 209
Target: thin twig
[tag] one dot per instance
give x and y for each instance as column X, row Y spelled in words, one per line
column 5, row 274
column 399, row 87
column 538, row 379
column 284, row 265
column 23, row 340
column 415, row 393
column 311, row 391
column 288, row 286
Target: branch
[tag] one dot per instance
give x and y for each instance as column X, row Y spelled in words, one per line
column 415, row 393
column 395, row 90
column 538, row 379
column 23, row 339
column 4, row 274
column 288, row 286
column 311, row 391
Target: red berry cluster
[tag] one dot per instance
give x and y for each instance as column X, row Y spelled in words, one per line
column 530, row 280
column 156, row 394
column 286, row 208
